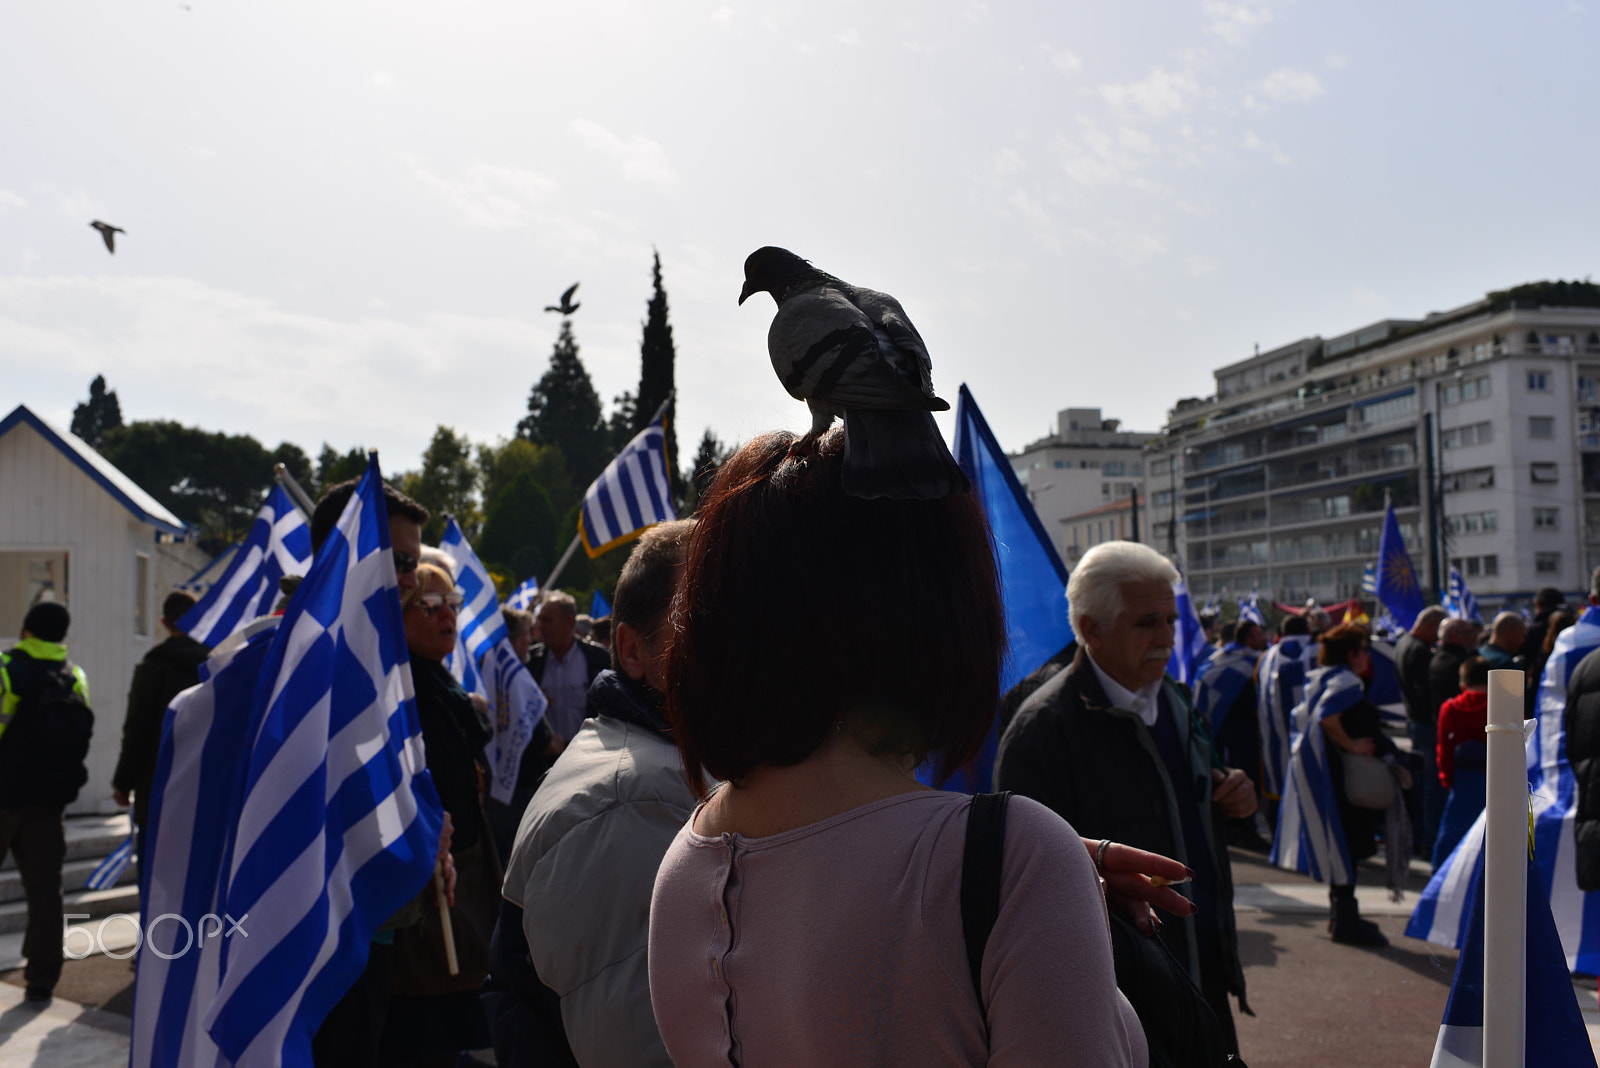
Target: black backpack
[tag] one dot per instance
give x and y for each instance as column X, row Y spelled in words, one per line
column 42, row 751
column 1179, row 1027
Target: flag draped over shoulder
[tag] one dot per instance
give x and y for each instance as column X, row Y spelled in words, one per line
column 633, row 493
column 1189, row 648
column 278, row 544
column 516, row 704
column 1383, row 689
column 294, row 800
column 1398, row 588
column 1310, row 837
column 1033, row 580
column 1280, row 686
column 1222, row 679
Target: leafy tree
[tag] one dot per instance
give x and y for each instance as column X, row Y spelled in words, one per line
column 499, row 465
column 295, row 460
column 657, row 358
column 708, row 459
column 100, row 413
column 620, row 427
column 446, row 485
column 564, row 410
column 334, row 468
column 519, row 533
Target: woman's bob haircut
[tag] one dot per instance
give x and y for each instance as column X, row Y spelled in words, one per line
column 1340, row 643
column 801, row 607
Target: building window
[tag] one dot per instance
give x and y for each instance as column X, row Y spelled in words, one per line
column 1059, row 464
column 1541, row 427
column 1547, row 519
column 1468, row 389
column 141, row 594
column 1547, row 563
column 1544, row 473
column 1458, row 437
column 1386, row 411
column 27, row 577
column 1475, row 479
column 1472, row 523
column 1538, row 381
column 1111, row 467
column 1473, row 566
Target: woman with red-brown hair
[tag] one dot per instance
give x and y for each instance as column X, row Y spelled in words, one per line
column 809, row 912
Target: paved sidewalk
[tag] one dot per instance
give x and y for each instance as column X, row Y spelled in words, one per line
column 62, row 1034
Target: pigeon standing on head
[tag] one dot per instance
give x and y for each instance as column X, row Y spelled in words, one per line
column 106, row 232
column 567, row 306
column 851, row 352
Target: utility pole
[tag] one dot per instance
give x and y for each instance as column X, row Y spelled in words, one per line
column 1431, row 488
column 1134, row 498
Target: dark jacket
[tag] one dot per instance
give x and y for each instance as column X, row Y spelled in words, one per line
column 453, row 734
column 164, row 673
column 1411, row 659
column 1581, row 722
column 596, row 657
column 1099, row 769
column 1444, row 675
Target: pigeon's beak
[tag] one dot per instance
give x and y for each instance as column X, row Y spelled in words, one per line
column 749, row 288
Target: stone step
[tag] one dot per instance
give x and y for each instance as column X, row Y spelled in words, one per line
column 89, row 838
column 74, row 873
column 96, row 903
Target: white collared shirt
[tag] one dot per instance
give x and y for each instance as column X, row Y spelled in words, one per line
column 1144, row 702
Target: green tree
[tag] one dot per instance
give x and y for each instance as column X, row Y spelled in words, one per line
column 520, row 529
column 499, row 465
column 621, row 426
column 657, row 360
column 708, row 459
column 446, row 485
column 334, row 467
column 564, row 410
column 100, row 413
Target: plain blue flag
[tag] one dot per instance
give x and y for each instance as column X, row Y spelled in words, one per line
column 1398, row 588
column 599, row 607
column 1033, row 580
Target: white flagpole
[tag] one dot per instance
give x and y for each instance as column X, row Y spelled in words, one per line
column 1505, row 875
column 298, row 495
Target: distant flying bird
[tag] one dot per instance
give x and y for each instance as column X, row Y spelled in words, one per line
column 566, row 307
column 106, row 230
column 853, row 353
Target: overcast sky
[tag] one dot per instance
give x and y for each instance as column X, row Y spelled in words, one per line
column 343, row 220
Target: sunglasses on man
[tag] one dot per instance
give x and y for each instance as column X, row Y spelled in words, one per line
column 404, row 562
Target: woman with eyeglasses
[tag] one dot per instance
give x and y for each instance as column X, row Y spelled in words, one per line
column 433, row 1015
column 1321, row 832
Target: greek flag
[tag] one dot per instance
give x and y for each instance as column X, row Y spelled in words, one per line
column 279, row 543
column 109, row 870
column 1369, row 580
column 1458, row 600
column 1190, row 649
column 296, row 806
column 1251, row 609
column 1281, row 676
column 1310, row 837
column 633, row 493
column 1221, row 682
column 1553, row 1027
column 516, row 704
column 524, row 595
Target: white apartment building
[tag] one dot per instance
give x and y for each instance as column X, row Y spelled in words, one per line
column 1088, row 462
column 1482, row 424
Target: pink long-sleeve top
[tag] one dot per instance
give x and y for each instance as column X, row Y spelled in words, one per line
column 840, row 943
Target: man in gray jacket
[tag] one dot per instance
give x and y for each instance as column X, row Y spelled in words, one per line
column 588, row 846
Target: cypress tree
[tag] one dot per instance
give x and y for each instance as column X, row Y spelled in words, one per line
column 656, row 375
column 103, row 412
column 564, row 410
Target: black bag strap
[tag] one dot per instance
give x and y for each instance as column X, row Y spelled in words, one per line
column 980, row 878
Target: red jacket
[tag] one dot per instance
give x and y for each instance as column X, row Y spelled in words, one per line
column 1461, row 719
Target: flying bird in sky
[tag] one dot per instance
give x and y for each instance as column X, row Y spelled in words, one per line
column 567, row 305
column 853, row 353
column 106, row 232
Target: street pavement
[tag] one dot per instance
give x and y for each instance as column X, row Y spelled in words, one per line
column 1317, row 1004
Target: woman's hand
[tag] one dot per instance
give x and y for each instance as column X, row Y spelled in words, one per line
column 1137, row 879
column 1365, row 746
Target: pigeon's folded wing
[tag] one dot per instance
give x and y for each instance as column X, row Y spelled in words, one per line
column 822, row 345
column 891, row 320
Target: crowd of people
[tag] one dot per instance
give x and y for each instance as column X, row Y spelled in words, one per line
column 719, row 850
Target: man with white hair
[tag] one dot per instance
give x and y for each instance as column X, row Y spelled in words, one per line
column 1115, row 747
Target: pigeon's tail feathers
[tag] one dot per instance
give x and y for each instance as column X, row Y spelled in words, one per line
column 898, row 454
column 938, row 404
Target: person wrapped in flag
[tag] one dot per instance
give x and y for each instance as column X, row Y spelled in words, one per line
column 1225, row 694
column 1280, row 686
column 1321, row 832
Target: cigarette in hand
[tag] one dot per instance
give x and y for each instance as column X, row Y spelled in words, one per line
column 1158, row 881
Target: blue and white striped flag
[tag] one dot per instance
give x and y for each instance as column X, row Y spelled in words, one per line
column 1251, row 609
column 1281, row 685
column 1310, row 836
column 1221, row 681
column 1190, row 648
column 109, row 870
column 279, row 543
column 1369, row 580
column 524, row 595
column 516, row 704
column 1458, row 600
column 632, row 494
column 297, row 804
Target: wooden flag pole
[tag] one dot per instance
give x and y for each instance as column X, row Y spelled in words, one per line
column 444, row 917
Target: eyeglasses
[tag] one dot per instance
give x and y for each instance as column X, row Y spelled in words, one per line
column 429, row 603
column 404, row 562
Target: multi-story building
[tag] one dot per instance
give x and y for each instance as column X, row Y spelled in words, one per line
column 1088, row 462
column 1278, row 481
column 1109, row 522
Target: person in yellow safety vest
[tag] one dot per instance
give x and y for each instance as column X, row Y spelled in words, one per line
column 44, row 736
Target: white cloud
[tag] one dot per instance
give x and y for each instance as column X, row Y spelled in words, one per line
column 493, row 196
column 1161, row 94
column 10, row 201
column 382, row 79
column 1289, row 86
column 1008, row 161
column 849, row 38
column 1335, row 61
column 1097, row 156
column 1201, row 266
column 1064, row 60
column 642, row 159
column 1234, row 23
column 202, row 152
column 723, row 16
